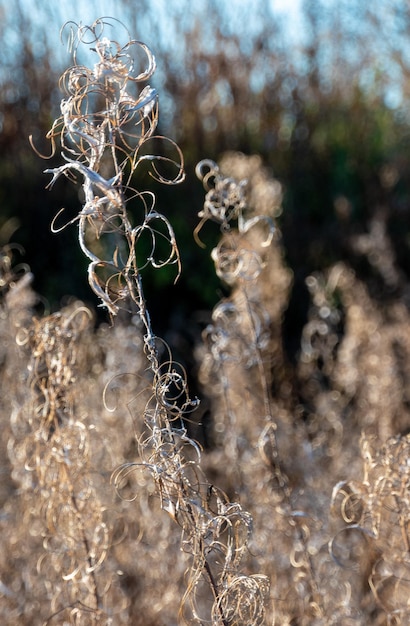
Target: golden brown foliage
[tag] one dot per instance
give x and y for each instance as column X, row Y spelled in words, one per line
column 269, row 524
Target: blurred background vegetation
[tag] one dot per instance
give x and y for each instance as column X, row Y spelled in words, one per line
column 321, row 95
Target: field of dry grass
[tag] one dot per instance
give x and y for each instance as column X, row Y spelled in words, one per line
column 280, row 495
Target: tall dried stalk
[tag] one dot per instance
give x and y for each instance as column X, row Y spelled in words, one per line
column 240, row 353
column 106, row 131
column 52, row 462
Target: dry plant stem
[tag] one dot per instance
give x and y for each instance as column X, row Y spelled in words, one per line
column 226, row 204
column 236, row 189
column 56, row 449
column 212, row 582
column 280, row 475
column 99, row 139
column 87, row 549
column 378, row 508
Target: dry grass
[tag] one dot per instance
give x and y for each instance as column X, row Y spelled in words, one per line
column 296, row 512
